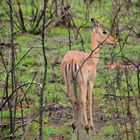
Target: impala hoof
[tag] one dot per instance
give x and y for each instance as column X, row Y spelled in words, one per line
column 87, row 128
column 93, row 129
column 73, row 126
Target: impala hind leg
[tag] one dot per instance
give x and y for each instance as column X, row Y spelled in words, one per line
column 71, row 95
column 90, row 104
column 83, row 88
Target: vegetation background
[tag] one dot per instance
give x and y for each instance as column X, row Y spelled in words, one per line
column 35, row 35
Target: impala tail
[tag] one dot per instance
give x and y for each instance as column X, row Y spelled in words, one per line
column 72, row 72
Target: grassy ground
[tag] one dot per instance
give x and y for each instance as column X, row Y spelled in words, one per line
column 57, row 114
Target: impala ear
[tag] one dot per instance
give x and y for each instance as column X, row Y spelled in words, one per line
column 96, row 23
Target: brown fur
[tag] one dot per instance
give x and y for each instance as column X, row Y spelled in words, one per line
column 87, row 72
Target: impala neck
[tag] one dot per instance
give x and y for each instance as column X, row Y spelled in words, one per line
column 94, row 46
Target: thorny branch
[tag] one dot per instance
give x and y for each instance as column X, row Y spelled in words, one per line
column 45, row 72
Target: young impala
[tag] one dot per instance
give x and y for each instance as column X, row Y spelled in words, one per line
column 79, row 67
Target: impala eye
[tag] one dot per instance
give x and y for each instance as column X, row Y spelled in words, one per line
column 104, row 32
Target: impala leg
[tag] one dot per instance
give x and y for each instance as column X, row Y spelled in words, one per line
column 83, row 88
column 73, row 100
column 90, row 89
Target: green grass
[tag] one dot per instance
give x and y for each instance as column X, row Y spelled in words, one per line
column 57, row 45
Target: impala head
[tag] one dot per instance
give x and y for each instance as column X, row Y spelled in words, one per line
column 101, row 34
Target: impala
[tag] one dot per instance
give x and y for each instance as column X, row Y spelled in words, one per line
column 80, row 68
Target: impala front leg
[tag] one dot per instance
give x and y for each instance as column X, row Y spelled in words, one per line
column 90, row 89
